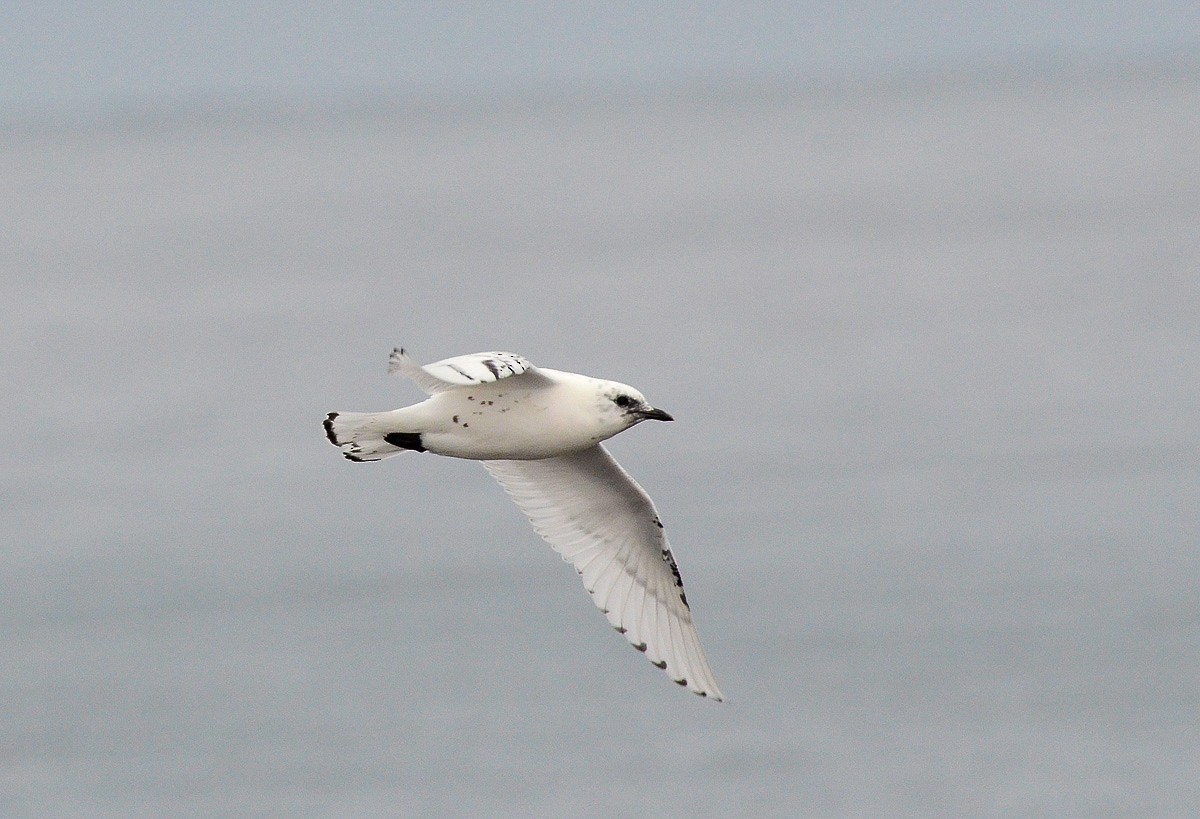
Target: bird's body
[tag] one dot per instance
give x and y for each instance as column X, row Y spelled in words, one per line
column 538, row 431
column 472, row 422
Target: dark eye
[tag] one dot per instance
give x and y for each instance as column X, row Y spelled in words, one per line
column 623, row 401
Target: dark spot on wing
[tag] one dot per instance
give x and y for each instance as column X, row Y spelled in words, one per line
column 454, row 419
column 620, row 629
column 640, row 647
column 405, row 440
column 670, row 561
column 682, row 681
column 462, row 372
column 491, row 365
column 659, row 664
column 658, row 523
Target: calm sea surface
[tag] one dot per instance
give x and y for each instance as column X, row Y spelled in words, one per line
column 933, row 489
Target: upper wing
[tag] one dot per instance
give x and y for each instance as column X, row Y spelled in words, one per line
column 460, row 371
column 597, row 517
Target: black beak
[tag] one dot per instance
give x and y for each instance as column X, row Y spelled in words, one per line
column 655, row 415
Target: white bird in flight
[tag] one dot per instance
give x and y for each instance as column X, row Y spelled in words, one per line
column 538, row 431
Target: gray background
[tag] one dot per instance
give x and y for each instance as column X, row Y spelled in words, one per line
column 920, row 285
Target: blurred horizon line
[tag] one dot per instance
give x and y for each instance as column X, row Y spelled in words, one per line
column 232, row 108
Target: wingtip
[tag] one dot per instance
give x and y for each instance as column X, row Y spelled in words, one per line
column 397, row 360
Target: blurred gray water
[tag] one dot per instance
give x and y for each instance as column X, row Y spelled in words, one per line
column 933, row 349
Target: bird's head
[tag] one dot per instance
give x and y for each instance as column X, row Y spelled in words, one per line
column 623, row 406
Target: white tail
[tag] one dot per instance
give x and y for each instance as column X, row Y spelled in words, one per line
column 369, row 436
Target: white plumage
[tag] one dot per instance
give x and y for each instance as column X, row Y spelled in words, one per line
column 538, row 432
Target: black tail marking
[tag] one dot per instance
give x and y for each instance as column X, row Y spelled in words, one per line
column 405, row 440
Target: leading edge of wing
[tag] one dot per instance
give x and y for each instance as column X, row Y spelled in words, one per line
column 602, row 522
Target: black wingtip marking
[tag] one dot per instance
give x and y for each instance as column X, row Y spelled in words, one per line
column 491, row 365
column 660, row 663
column 329, row 428
column 681, row 682
column 405, row 440
column 702, row 694
column 620, row 629
column 640, row 647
